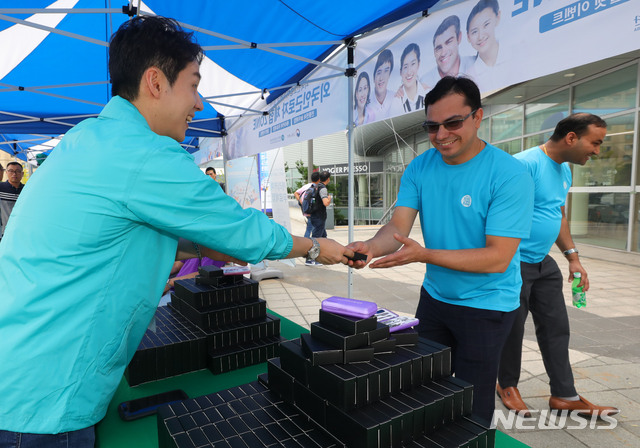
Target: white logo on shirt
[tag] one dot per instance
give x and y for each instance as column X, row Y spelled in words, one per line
column 564, row 184
column 466, row 200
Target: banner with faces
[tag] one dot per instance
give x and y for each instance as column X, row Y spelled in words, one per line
column 497, row 43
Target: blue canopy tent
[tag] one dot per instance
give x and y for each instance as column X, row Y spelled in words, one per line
column 54, row 55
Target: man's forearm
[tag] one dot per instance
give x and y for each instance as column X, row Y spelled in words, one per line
column 483, row 260
column 186, row 249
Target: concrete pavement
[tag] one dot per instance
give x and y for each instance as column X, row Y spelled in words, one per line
column 605, row 336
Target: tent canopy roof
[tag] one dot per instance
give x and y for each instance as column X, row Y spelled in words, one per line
column 53, row 62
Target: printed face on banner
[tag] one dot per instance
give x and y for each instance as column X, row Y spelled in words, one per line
column 409, row 70
column 482, row 32
column 362, row 92
column 381, row 78
column 445, row 50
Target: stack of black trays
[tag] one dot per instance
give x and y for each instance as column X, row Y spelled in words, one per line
column 214, row 321
column 349, row 383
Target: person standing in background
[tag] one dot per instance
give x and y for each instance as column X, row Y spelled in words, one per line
column 576, row 139
column 9, row 192
column 299, row 194
column 318, row 217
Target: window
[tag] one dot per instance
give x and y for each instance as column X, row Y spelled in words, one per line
column 599, row 218
column 608, row 94
column 536, row 140
column 507, row 124
column 484, row 132
column 511, row 147
column 546, row 112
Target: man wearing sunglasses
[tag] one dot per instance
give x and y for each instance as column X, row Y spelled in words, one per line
column 9, row 192
column 475, row 203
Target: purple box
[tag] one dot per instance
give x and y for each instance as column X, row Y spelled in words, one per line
column 349, row 307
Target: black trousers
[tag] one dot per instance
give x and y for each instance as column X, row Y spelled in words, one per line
column 542, row 295
column 476, row 337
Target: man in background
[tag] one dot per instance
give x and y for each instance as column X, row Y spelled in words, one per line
column 318, row 217
column 576, row 139
column 299, row 195
column 211, row 172
column 9, row 192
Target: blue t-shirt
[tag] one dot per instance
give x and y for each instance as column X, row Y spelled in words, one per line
column 86, row 255
column 459, row 205
column 552, row 181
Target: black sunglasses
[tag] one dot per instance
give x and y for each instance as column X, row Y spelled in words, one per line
column 449, row 125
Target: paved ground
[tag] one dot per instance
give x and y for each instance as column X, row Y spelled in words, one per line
column 605, row 341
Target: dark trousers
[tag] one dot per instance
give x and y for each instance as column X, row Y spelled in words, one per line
column 542, row 295
column 82, row 438
column 309, row 229
column 476, row 337
column 318, row 223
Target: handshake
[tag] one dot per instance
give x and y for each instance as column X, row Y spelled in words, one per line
column 359, row 253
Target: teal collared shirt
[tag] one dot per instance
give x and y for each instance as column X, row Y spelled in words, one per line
column 86, row 255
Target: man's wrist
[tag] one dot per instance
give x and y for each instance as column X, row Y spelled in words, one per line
column 314, row 251
column 568, row 252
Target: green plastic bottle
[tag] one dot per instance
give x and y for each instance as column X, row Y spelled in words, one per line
column 579, row 296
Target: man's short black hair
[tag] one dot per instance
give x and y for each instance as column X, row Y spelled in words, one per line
column 451, row 21
column 384, row 57
column 578, row 123
column 324, row 176
column 16, row 164
column 315, row 176
column 481, row 6
column 458, row 85
column 144, row 42
column 210, row 168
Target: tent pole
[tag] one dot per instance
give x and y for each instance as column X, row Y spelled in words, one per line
column 350, row 73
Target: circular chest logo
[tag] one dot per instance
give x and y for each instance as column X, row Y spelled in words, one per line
column 564, row 184
column 466, row 200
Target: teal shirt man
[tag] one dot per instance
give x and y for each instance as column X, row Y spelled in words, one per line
column 78, row 295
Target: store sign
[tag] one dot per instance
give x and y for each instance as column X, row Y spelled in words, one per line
column 358, row 168
column 498, row 45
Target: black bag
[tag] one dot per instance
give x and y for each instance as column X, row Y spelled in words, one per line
column 311, row 200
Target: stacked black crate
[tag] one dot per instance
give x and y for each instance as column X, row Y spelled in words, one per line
column 372, row 388
column 214, row 321
column 245, row 416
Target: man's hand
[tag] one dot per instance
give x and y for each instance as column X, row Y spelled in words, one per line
column 332, row 252
column 410, row 252
column 363, row 248
column 576, row 266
